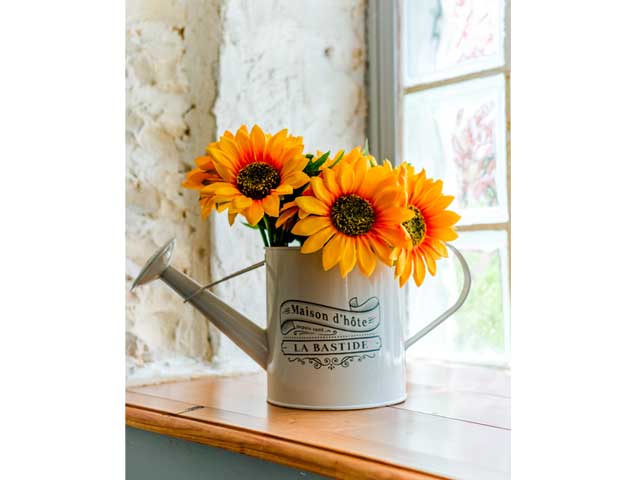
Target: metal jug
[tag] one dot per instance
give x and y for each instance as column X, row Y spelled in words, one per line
column 331, row 343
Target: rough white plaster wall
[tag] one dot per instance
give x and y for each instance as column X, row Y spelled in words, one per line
column 284, row 64
column 171, row 67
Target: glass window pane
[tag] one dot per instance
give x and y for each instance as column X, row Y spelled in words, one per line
column 479, row 331
column 457, row 133
column 447, row 38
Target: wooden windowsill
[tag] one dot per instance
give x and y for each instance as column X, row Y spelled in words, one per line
column 455, row 423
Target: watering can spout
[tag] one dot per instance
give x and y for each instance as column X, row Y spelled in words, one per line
column 242, row 331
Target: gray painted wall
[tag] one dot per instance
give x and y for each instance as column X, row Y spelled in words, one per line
column 159, row 457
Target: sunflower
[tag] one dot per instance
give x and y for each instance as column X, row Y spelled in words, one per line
column 430, row 227
column 291, row 209
column 354, row 214
column 255, row 170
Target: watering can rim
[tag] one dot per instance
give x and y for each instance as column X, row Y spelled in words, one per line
column 291, row 249
column 156, row 265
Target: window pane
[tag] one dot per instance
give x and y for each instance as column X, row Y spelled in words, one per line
column 457, row 133
column 447, row 38
column 479, row 331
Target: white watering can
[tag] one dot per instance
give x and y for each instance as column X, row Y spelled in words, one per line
column 331, row 343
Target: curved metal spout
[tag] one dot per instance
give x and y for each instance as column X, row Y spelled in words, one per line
column 242, row 331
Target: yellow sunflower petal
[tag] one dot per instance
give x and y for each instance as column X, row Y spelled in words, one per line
column 442, row 202
column 360, row 169
column 398, row 237
column 418, row 269
column 231, row 153
column 245, row 146
column 222, row 159
column 332, row 252
column 221, row 207
column 198, row 179
column 382, row 250
column 205, row 162
column 293, row 165
column 346, row 178
column 271, row 205
column 366, row 258
column 310, row 225
column 401, row 262
column 286, row 215
column 330, row 181
column 293, row 154
column 406, row 273
column 348, row 260
column 205, row 209
column 420, row 185
column 439, row 247
column 296, row 179
column 283, row 190
column 396, row 215
column 431, row 192
column 446, row 234
column 258, row 140
column 274, row 144
column 224, row 189
column 316, row 241
column 431, row 264
column 254, row 213
column 226, row 173
column 388, row 197
column 444, row 219
column 241, row 202
column 320, row 191
column 312, row 205
column 371, row 183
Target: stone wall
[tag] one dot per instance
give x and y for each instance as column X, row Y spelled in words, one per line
column 171, row 72
column 194, row 69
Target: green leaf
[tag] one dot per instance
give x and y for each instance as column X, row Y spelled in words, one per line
column 313, row 167
column 250, row 226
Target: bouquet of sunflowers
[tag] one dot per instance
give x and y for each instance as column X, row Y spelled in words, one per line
column 354, row 209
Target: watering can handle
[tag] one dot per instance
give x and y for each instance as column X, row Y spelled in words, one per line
column 451, row 310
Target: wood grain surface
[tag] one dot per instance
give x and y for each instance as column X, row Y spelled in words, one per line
column 454, row 424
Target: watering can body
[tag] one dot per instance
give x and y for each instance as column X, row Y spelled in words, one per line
column 335, row 343
column 331, row 343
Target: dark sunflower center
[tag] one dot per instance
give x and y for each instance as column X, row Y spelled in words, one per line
column 257, row 179
column 416, row 226
column 352, row 215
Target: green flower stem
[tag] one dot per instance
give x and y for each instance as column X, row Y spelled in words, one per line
column 264, row 237
column 268, row 229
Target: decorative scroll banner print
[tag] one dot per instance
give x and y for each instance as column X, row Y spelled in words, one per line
column 332, row 347
column 324, row 336
column 306, row 318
